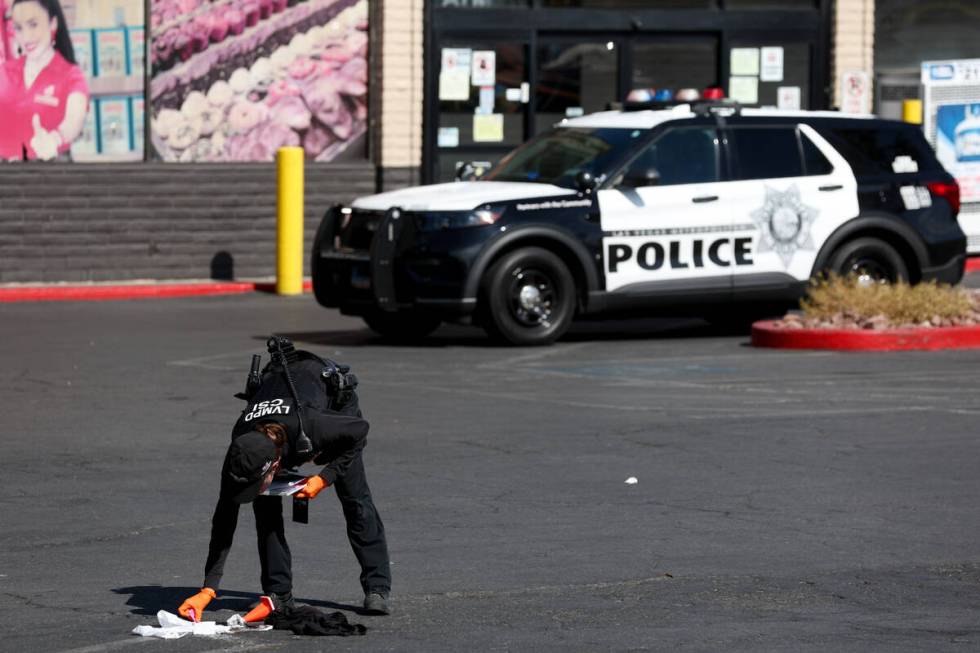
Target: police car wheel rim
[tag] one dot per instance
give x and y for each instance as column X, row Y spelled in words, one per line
column 532, row 297
column 869, row 272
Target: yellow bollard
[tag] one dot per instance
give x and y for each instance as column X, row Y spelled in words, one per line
column 912, row 111
column 289, row 225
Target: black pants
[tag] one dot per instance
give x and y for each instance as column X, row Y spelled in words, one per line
column 364, row 530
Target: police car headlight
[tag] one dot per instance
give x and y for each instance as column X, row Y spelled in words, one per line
column 444, row 220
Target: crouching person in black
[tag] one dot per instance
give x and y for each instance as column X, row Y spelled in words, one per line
column 302, row 409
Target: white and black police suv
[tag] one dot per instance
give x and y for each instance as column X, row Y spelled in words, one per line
column 704, row 208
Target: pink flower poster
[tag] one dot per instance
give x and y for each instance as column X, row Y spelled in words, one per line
column 234, row 80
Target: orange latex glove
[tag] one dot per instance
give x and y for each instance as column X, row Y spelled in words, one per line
column 312, row 488
column 193, row 607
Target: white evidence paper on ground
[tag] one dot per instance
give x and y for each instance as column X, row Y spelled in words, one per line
column 174, row 627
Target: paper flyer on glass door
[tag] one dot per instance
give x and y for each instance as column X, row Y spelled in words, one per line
column 744, row 61
column 488, row 128
column 454, row 85
column 454, row 74
column 484, row 68
column 772, row 65
column 744, row 89
column 455, row 59
column 788, row 97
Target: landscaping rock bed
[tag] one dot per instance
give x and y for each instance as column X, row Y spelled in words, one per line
column 879, row 322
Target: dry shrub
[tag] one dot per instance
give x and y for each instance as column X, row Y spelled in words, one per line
column 901, row 303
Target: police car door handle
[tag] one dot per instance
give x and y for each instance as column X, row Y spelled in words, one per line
column 704, row 198
column 829, row 188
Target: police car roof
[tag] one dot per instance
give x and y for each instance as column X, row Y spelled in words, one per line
column 648, row 119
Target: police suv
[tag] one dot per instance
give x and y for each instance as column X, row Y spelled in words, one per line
column 692, row 207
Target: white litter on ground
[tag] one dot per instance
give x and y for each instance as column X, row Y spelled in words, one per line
column 631, row 481
column 174, row 627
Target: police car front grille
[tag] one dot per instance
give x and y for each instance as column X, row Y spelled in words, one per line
column 358, row 232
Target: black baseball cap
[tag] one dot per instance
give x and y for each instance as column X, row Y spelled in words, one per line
column 249, row 457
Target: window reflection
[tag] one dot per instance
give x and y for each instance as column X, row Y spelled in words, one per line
column 574, row 79
column 558, row 156
column 675, row 64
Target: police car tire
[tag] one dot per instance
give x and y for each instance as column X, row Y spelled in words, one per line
column 505, row 318
column 881, row 258
column 402, row 325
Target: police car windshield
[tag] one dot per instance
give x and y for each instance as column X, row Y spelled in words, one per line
column 559, row 155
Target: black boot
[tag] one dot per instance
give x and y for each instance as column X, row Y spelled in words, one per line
column 376, row 603
column 283, row 602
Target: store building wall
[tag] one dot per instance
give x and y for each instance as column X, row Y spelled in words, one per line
column 64, row 222
column 123, row 220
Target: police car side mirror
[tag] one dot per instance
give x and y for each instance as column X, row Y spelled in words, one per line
column 585, row 182
column 642, row 177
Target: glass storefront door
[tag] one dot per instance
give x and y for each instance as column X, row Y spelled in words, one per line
column 483, row 93
column 556, row 59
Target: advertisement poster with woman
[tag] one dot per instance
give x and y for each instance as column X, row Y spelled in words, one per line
column 236, row 80
column 958, row 145
column 51, row 89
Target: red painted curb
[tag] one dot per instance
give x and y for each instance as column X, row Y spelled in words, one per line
column 972, row 264
column 766, row 334
column 133, row 291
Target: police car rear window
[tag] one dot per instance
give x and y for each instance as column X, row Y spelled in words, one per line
column 766, row 152
column 874, row 150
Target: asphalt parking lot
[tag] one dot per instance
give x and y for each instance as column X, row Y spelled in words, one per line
column 797, row 501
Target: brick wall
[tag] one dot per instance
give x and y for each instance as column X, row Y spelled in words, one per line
column 853, row 45
column 154, row 220
column 399, row 66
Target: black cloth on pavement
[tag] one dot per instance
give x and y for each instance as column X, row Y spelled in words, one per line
column 307, row 620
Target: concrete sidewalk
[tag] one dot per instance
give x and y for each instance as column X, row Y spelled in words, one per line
column 140, row 289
